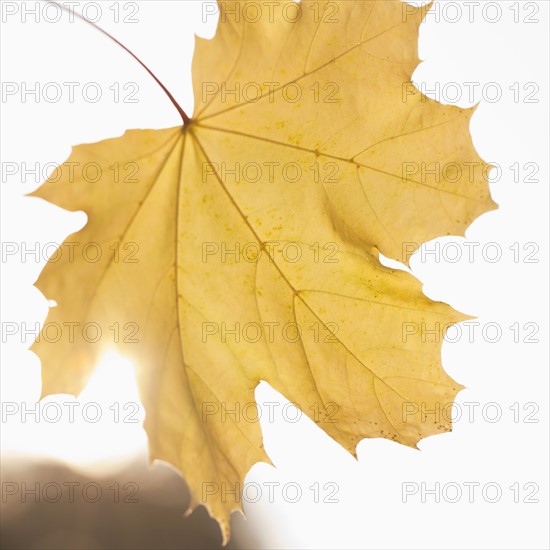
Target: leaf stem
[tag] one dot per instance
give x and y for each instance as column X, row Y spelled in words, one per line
column 184, row 117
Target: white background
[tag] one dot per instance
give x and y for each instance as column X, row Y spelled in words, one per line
column 370, row 512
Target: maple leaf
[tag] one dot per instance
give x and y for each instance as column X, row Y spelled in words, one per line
column 264, row 214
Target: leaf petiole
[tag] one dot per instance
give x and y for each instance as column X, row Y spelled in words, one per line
column 184, row 117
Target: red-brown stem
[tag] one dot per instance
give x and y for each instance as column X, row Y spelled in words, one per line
column 184, row 117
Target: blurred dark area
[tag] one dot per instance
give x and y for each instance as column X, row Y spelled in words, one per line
column 49, row 505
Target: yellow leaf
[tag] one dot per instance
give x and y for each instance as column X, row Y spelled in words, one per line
column 257, row 228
